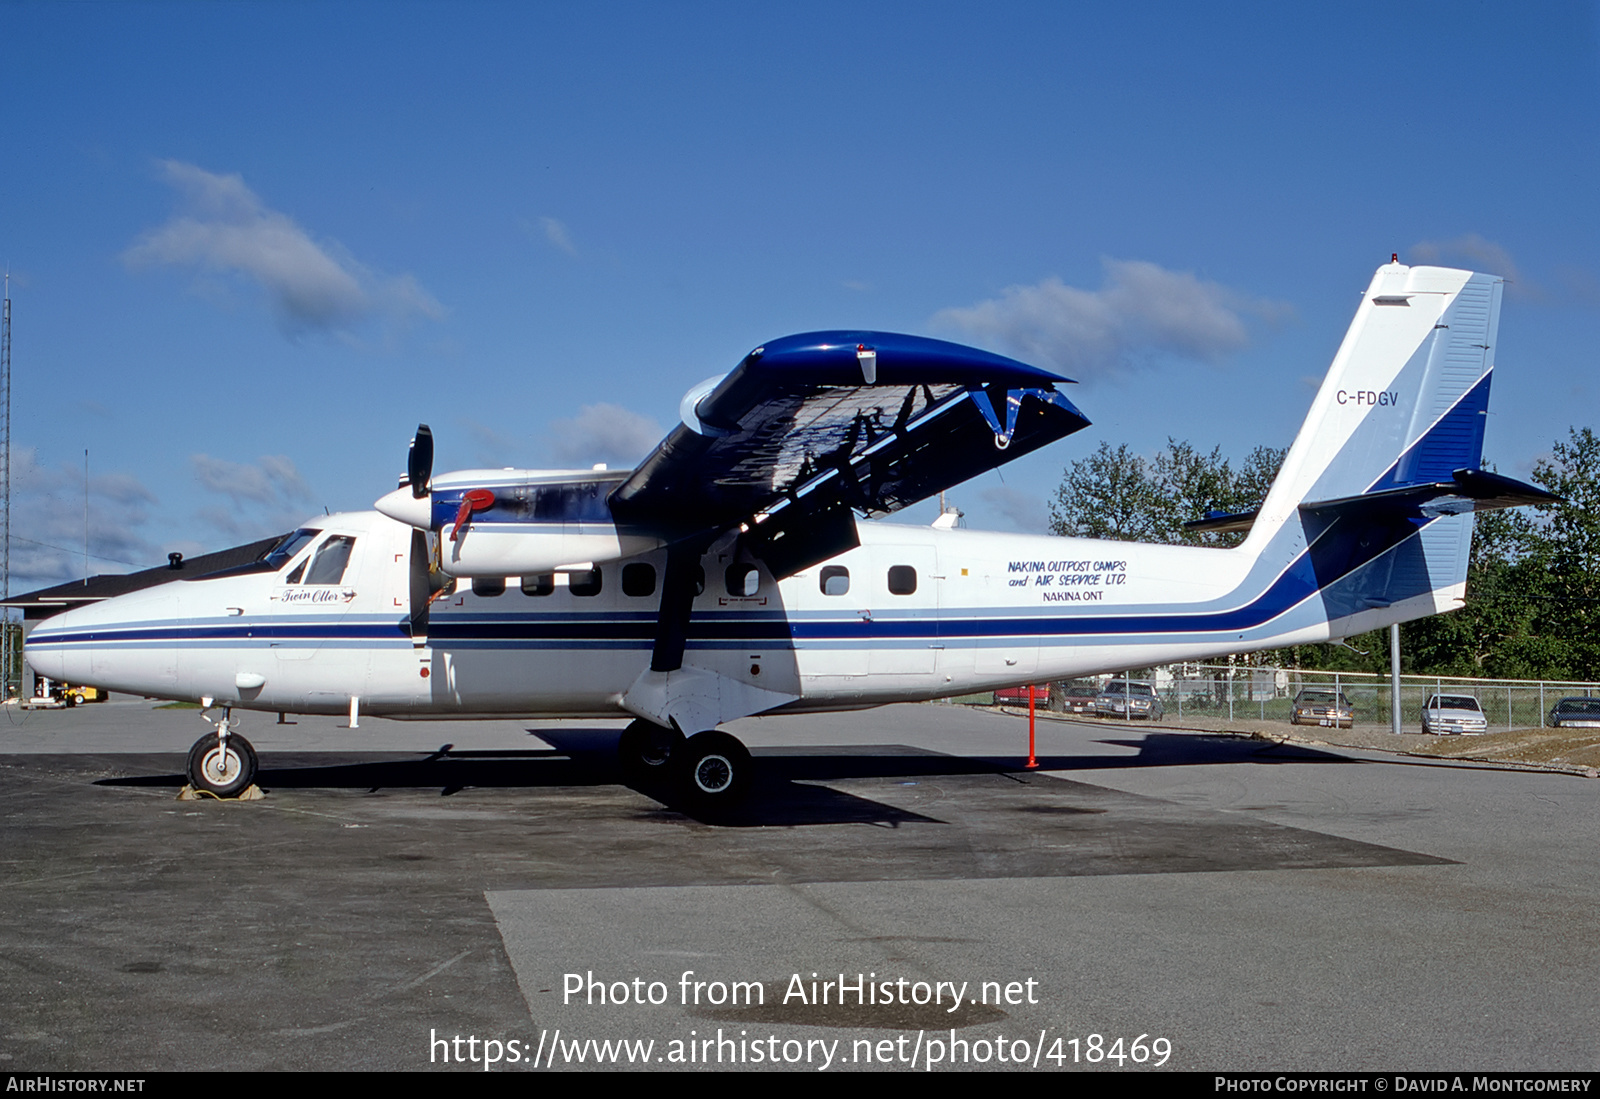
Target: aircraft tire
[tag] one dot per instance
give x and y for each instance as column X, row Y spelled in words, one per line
column 225, row 778
column 645, row 750
column 714, row 771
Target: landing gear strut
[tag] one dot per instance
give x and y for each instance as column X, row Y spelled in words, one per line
column 222, row 763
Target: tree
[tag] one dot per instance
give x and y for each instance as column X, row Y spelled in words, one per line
column 1117, row 494
column 1564, row 547
column 1109, row 494
column 1532, row 606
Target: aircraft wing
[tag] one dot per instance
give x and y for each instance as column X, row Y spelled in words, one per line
column 825, row 423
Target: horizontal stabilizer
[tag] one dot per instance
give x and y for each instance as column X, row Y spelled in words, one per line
column 1468, row 490
column 1220, row 522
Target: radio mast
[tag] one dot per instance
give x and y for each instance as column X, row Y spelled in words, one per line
column 10, row 646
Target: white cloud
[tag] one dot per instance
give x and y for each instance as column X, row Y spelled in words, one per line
column 604, row 433
column 49, row 522
column 260, row 499
column 1471, row 249
column 224, row 228
column 495, row 449
column 1142, row 311
column 1024, row 511
column 556, row 233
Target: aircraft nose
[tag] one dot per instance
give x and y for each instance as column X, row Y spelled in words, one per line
column 109, row 644
column 52, row 651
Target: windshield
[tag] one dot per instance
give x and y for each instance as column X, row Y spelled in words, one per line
column 1453, row 702
column 1139, row 690
column 1578, row 706
column 289, row 545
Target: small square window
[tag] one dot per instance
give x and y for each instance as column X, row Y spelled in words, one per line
column 585, row 583
column 638, row 580
column 540, row 583
column 488, row 586
column 835, row 580
column 902, row 580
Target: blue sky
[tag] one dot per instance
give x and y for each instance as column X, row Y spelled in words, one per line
column 253, row 245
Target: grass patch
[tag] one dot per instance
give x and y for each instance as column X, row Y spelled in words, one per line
column 177, row 706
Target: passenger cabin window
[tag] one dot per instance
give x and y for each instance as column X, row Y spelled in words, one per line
column 638, row 580
column 540, row 583
column 585, row 583
column 835, row 580
column 327, row 567
column 743, row 579
column 902, row 580
column 488, row 586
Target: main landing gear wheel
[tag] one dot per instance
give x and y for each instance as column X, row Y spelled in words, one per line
column 225, row 772
column 645, row 750
column 714, row 770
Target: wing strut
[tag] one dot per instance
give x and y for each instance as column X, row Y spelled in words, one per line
column 677, row 602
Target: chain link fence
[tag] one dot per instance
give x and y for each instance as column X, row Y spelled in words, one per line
column 1234, row 692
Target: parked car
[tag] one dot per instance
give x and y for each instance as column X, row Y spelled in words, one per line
column 1122, row 698
column 1080, row 700
column 1018, row 696
column 1322, row 706
column 1576, row 713
column 1453, row 714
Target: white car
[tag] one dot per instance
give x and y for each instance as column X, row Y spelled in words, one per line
column 1454, row 714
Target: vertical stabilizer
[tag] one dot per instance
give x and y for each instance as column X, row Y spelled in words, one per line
column 1405, row 400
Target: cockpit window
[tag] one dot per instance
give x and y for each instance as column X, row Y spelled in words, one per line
column 289, row 545
column 332, row 557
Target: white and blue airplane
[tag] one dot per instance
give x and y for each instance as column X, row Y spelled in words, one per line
column 728, row 574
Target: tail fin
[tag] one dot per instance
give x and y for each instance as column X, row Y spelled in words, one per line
column 1405, row 400
column 1376, row 495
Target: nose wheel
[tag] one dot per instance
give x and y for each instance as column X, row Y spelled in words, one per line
column 222, row 763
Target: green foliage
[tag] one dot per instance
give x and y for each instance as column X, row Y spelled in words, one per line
column 1533, row 586
column 1532, row 607
column 1117, row 494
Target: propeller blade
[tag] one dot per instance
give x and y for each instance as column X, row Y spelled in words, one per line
column 419, row 462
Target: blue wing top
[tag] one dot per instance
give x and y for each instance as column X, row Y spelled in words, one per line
column 837, row 421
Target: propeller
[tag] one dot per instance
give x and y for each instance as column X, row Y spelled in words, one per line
column 419, row 461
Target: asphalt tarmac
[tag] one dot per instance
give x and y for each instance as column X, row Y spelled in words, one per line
column 1240, row 905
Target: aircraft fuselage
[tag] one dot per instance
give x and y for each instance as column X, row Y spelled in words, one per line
column 912, row 613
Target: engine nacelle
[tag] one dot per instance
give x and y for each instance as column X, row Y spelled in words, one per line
column 517, row 522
